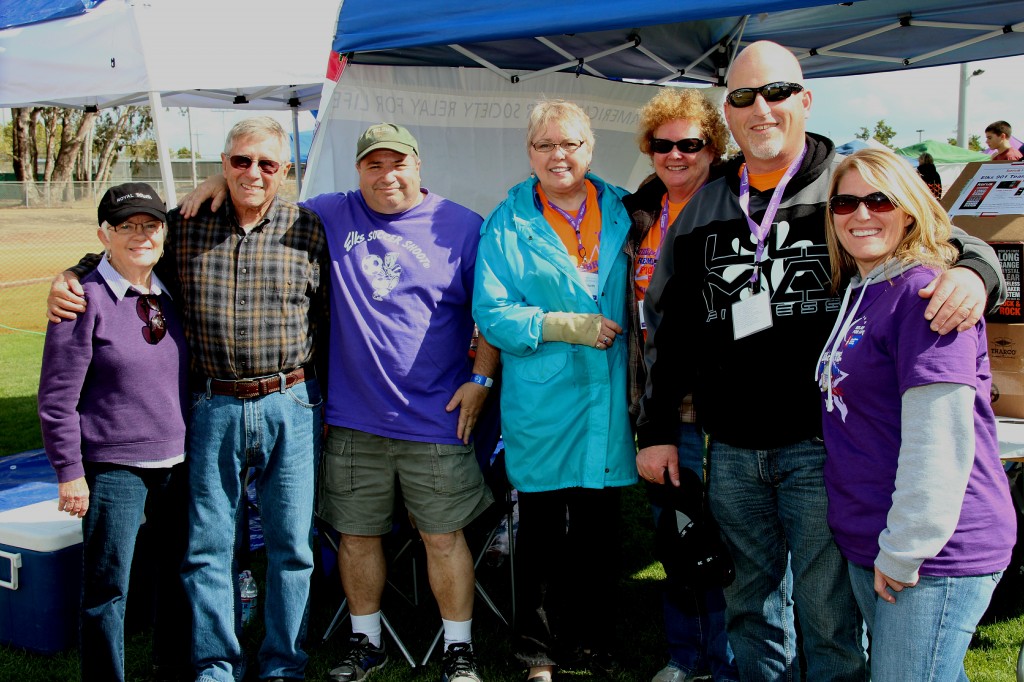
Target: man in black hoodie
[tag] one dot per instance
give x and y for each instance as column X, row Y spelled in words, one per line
column 737, row 311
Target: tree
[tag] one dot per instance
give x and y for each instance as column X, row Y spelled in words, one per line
column 974, row 143
column 182, row 153
column 119, row 127
column 882, row 133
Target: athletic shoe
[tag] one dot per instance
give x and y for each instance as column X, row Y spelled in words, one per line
column 459, row 664
column 362, row 659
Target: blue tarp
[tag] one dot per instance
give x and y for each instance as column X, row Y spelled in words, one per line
column 881, row 36
column 23, row 12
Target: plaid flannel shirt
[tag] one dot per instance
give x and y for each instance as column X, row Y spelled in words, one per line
column 253, row 303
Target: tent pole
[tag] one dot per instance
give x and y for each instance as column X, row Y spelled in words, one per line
column 961, row 110
column 296, row 150
column 156, row 109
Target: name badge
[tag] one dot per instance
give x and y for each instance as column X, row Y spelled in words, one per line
column 751, row 315
column 590, row 281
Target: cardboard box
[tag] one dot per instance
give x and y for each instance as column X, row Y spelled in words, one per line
column 1011, row 255
column 1006, row 355
column 985, row 202
column 40, row 577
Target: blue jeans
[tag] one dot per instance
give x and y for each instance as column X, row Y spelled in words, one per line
column 771, row 505
column 118, row 497
column 278, row 438
column 696, row 635
column 925, row 634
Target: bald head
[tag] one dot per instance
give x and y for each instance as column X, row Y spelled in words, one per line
column 770, row 134
column 767, row 60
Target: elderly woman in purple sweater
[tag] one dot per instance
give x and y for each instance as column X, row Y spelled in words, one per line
column 111, row 395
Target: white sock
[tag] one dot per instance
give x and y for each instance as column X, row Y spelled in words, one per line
column 457, row 631
column 369, row 626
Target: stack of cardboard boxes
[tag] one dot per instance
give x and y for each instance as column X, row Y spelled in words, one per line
column 987, row 201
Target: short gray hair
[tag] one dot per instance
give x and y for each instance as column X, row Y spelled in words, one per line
column 257, row 126
column 565, row 113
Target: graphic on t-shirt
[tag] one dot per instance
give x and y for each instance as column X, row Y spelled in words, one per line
column 837, row 375
column 383, row 273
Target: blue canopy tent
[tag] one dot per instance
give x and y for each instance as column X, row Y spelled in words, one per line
column 463, row 75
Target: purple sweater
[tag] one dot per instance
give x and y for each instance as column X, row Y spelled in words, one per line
column 105, row 395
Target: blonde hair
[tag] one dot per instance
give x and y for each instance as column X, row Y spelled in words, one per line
column 567, row 114
column 927, row 237
column 688, row 104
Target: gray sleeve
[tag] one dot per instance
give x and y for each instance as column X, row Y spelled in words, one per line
column 935, row 461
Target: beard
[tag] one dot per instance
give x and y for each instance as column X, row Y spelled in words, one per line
column 766, row 149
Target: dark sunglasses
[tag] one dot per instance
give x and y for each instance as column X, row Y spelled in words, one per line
column 876, row 202
column 240, row 162
column 156, row 327
column 773, row 92
column 688, row 145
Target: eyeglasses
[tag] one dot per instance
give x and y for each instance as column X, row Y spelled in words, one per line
column 148, row 228
column 568, row 146
column 156, row 326
column 267, row 167
column 688, row 145
column 876, row 202
column 773, row 92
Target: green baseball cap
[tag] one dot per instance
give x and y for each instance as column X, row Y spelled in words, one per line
column 386, row 136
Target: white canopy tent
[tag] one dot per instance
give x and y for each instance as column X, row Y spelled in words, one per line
column 234, row 54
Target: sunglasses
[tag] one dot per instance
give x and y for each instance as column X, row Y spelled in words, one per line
column 688, row 145
column 240, row 162
column 876, row 202
column 148, row 228
column 568, row 146
column 773, row 92
column 156, row 326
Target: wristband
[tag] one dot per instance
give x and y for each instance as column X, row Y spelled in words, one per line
column 486, row 382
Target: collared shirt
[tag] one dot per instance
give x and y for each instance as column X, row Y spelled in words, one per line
column 252, row 302
column 117, row 283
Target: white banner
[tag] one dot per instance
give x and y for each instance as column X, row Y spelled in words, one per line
column 471, row 127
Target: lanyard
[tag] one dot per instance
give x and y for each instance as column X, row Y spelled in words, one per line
column 664, row 218
column 575, row 223
column 761, row 231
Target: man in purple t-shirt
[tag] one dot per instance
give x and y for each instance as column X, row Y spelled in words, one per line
column 404, row 395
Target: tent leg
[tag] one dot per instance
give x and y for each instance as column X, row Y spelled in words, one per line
column 163, row 154
column 297, row 151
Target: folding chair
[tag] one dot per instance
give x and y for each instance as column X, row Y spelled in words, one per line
column 330, row 537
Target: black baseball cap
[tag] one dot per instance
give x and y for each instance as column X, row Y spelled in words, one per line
column 124, row 201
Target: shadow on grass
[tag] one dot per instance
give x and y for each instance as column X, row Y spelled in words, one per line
column 19, row 425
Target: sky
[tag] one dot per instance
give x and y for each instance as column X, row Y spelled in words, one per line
column 924, row 99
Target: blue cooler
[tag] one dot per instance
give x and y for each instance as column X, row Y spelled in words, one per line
column 40, row 577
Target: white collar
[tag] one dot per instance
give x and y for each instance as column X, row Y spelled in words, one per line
column 120, row 286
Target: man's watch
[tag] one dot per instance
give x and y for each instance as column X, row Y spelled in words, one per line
column 486, row 382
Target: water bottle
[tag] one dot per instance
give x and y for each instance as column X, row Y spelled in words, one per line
column 247, row 590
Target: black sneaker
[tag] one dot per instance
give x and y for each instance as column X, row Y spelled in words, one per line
column 459, row 664
column 362, row 658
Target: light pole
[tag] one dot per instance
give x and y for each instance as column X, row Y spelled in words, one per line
column 961, row 117
column 919, row 131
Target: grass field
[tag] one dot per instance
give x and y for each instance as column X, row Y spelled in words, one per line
column 38, row 243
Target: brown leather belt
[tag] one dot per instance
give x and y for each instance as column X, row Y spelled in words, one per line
column 249, row 388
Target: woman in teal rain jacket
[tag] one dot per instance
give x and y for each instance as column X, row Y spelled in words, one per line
column 551, row 294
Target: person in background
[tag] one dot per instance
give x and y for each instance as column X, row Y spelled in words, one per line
column 252, row 276
column 926, row 169
column 997, row 137
column 684, row 135
column 551, row 291
column 112, row 395
column 737, row 310
column 918, row 501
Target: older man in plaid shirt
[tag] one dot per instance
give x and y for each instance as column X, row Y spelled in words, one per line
column 252, row 282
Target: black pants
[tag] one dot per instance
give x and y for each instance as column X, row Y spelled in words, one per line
column 567, row 566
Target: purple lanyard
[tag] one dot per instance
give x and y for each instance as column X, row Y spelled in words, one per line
column 575, row 223
column 761, row 231
column 664, row 219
